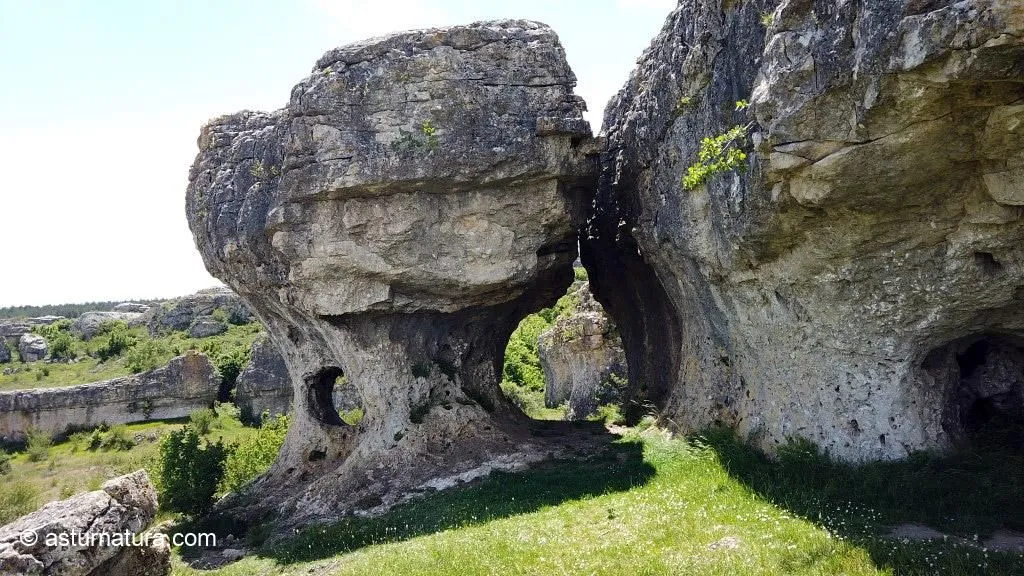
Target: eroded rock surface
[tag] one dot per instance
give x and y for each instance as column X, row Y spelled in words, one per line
column 122, row 505
column 89, row 324
column 833, row 290
column 31, row 347
column 194, row 313
column 583, row 360
column 187, row 383
column 391, row 226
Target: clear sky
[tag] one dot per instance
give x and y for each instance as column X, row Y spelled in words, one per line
column 101, row 103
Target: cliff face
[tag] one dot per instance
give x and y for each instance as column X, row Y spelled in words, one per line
column 390, row 227
column 859, row 283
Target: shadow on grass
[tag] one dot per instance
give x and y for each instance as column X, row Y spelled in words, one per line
column 968, row 495
column 618, row 467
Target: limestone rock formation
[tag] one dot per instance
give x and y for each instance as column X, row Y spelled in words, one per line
column 11, row 331
column 43, row 320
column 122, row 505
column 187, row 383
column 837, row 288
column 583, row 360
column 31, row 347
column 185, row 312
column 89, row 324
column 205, row 328
column 132, row 307
column 392, row 225
column 264, row 385
column 5, row 352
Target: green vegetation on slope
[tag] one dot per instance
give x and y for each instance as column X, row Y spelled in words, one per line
column 653, row 504
column 126, row 351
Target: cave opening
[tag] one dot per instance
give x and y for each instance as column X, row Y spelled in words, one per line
column 983, row 379
column 332, row 399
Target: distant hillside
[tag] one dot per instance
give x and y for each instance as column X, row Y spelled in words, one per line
column 68, row 310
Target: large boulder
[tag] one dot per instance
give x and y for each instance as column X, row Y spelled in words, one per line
column 89, row 324
column 205, row 328
column 185, row 312
column 392, row 225
column 833, row 289
column 31, row 348
column 77, row 536
column 582, row 358
column 5, row 352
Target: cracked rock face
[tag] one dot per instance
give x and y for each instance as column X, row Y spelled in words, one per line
column 390, row 226
column 834, row 289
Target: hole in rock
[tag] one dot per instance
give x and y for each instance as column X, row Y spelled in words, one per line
column 566, row 362
column 983, row 379
column 333, row 399
column 988, row 263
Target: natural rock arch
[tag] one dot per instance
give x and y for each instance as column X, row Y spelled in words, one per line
column 393, row 223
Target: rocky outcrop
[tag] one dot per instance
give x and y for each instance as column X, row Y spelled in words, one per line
column 5, row 352
column 392, row 225
column 12, row 331
column 31, row 347
column 264, row 385
column 206, row 328
column 186, row 384
column 135, row 307
column 44, row 320
column 89, row 324
column 582, row 358
column 77, row 536
column 185, row 312
column 835, row 289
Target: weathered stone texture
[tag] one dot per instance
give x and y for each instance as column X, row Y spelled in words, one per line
column 31, row 347
column 193, row 312
column 582, row 358
column 89, row 324
column 829, row 291
column 124, row 504
column 187, row 383
column 392, row 224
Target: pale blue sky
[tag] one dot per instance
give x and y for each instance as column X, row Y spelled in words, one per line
column 102, row 102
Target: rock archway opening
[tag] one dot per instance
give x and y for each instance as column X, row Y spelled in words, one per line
column 983, row 380
column 566, row 362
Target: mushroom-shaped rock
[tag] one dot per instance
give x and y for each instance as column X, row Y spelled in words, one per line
column 390, row 227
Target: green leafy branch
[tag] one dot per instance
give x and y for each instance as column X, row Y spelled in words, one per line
column 719, row 154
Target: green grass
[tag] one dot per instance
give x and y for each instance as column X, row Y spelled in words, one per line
column 88, row 369
column 654, row 504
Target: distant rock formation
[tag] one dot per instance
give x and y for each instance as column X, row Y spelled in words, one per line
column 582, row 358
column 126, row 504
column 12, row 331
column 189, row 311
column 869, row 258
column 89, row 324
column 31, row 348
column 392, row 225
column 132, row 307
column 187, row 383
column 44, row 320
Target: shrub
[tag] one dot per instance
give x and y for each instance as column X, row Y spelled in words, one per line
column 580, row 274
column 62, row 346
column 229, row 365
column 522, row 363
column 119, row 340
column 5, row 463
column 17, row 499
column 202, row 420
column 220, row 315
column 117, row 439
column 37, row 445
column 191, row 468
column 255, row 454
column 144, row 356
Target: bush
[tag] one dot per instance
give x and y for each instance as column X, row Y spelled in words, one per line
column 5, row 463
column 62, row 346
column 144, row 356
column 190, row 471
column 37, row 445
column 17, row 499
column 255, row 455
column 202, row 420
column 522, row 363
column 119, row 340
column 117, row 439
column 229, row 365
